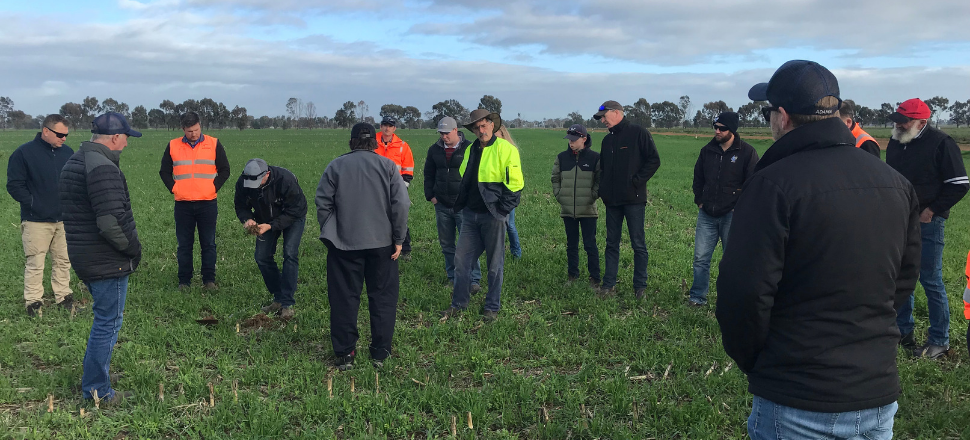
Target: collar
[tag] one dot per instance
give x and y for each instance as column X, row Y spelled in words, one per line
column 489, row 144
column 922, row 130
column 389, row 141
column 620, row 126
column 112, row 155
column 826, row 133
column 38, row 138
column 193, row 144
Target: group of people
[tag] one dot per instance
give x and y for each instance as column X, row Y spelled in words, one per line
column 805, row 309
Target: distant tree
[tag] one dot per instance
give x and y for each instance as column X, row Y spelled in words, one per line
column 92, row 108
column 750, row 114
column 490, row 103
column 639, row 113
column 574, row 118
column 700, row 120
column 139, row 117
column 112, row 105
column 310, row 113
column 18, row 120
column 960, row 113
column 171, row 113
column 346, row 116
column 665, row 114
column 74, row 113
column 450, row 107
column 156, row 118
column 239, row 117
column 6, row 106
column 938, row 105
column 412, row 116
column 865, row 115
column 293, row 108
column 362, row 110
column 882, row 115
column 714, row 108
column 393, row 110
column 685, row 106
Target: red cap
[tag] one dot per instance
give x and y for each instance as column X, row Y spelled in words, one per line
column 911, row 109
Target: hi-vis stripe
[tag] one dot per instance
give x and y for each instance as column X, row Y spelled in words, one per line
column 962, row 180
column 196, row 175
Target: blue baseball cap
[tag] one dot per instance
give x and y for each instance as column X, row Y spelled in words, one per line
column 112, row 123
column 796, row 86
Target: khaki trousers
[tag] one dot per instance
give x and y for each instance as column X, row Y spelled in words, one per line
column 40, row 238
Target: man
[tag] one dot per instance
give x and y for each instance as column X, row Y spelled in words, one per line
column 270, row 204
column 102, row 241
column 442, row 179
column 575, row 183
column 862, row 139
column 629, row 159
column 194, row 168
column 931, row 161
column 491, row 185
column 362, row 207
column 392, row 147
column 966, row 301
column 722, row 167
column 32, row 175
column 804, row 309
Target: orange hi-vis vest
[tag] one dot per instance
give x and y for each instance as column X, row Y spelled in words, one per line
column 194, row 169
column 966, row 291
column 398, row 151
column 861, row 136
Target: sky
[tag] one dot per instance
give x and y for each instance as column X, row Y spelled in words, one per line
column 542, row 58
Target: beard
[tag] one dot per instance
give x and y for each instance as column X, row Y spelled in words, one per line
column 906, row 136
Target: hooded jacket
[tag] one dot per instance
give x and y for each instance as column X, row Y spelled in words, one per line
column 719, row 175
column 278, row 203
column 494, row 173
column 442, row 177
column 399, row 152
column 629, row 159
column 32, row 175
column 576, row 181
column 808, row 289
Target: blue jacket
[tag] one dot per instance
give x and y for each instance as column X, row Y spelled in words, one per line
column 32, row 175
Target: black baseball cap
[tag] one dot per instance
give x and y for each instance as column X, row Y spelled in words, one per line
column 796, row 86
column 362, row 130
column 112, row 123
column 389, row 120
column 607, row 106
column 575, row 131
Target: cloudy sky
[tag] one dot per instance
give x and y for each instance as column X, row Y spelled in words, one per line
column 542, row 58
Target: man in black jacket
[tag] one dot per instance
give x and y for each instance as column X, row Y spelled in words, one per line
column 804, row 308
column 722, row 167
column 442, row 178
column 931, row 160
column 270, row 203
column 102, row 241
column 32, row 174
column 629, row 159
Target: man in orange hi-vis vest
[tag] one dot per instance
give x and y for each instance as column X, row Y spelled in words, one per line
column 393, row 147
column 862, row 139
column 966, row 302
column 194, row 167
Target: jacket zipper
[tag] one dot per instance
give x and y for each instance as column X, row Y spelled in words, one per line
column 575, row 186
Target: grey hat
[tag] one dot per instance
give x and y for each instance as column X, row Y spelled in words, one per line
column 446, row 124
column 253, row 173
column 480, row 114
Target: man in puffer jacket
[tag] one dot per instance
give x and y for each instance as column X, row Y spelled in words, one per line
column 575, row 182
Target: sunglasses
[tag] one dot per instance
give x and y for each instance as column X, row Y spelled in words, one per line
column 575, row 133
column 59, row 135
column 766, row 112
column 721, row 128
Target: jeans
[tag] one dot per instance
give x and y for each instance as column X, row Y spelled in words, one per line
column 480, row 232
column 770, row 420
column 449, row 224
column 281, row 284
column 931, row 277
column 514, row 246
column 189, row 216
column 706, row 234
column 109, row 306
column 634, row 214
column 588, row 226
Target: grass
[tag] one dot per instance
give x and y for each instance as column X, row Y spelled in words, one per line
column 648, row 369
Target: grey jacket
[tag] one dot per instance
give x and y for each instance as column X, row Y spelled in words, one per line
column 362, row 202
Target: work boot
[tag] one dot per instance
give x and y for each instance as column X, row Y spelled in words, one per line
column 344, row 363
column 640, row 293
column 184, row 287
column 286, row 313
column 594, row 284
column 210, row 286
column 67, row 303
column 930, row 351
column 908, row 342
column 607, row 292
column 272, row 308
column 475, row 289
column 490, row 316
column 33, row 308
column 450, row 312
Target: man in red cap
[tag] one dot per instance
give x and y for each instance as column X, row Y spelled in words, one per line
column 931, row 160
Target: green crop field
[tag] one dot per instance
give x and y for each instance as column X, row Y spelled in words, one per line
column 559, row 363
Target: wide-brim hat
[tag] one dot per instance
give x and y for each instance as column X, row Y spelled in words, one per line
column 480, row 114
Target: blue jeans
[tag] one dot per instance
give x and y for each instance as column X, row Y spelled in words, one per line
column 706, row 234
column 931, row 277
column 188, row 217
column 109, row 306
column 514, row 246
column 449, row 224
column 770, row 420
column 480, row 232
column 281, row 284
column 634, row 214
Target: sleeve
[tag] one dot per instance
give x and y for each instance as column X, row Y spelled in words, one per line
column 166, row 170
column 222, row 166
column 651, row 159
column 430, row 170
column 106, row 191
column 954, row 175
column 325, row 199
column 698, row 185
column 596, row 179
column 17, row 178
column 407, row 163
column 871, row 148
column 909, row 267
column 751, row 270
column 751, row 166
column 514, row 179
column 294, row 204
column 399, row 207
column 244, row 212
column 556, row 177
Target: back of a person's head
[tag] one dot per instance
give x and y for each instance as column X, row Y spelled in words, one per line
column 369, row 144
column 827, row 102
column 503, row 133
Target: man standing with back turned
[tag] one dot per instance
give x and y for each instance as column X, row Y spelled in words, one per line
column 804, row 308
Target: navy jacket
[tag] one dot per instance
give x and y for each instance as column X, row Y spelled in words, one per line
column 32, row 175
column 278, row 203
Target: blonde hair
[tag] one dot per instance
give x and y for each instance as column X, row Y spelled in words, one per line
column 503, row 133
column 825, row 103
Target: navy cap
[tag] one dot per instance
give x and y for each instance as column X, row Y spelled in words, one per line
column 575, row 131
column 389, row 120
column 796, row 86
column 112, row 123
column 362, row 130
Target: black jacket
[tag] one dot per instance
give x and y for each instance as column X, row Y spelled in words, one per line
column 32, row 174
column 102, row 241
column 278, row 203
column 720, row 175
column 629, row 159
column 808, row 289
column 933, row 164
column 441, row 177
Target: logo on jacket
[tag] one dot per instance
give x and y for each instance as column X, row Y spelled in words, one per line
column 734, row 158
column 585, row 165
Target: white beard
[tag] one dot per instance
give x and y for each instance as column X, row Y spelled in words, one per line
column 907, row 136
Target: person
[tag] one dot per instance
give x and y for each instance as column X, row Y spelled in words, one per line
column 515, row 247
column 33, row 171
column 491, row 186
column 102, row 242
column 194, row 168
column 441, row 181
column 362, row 207
column 931, row 161
column 966, row 301
column 722, row 167
column 392, row 147
column 270, row 204
column 804, row 309
column 862, row 139
column 629, row 159
column 575, row 183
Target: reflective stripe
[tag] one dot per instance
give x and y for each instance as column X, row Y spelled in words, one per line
column 966, row 295
column 179, row 163
column 182, row 176
column 408, row 169
column 205, row 162
column 204, row 176
column 961, row 179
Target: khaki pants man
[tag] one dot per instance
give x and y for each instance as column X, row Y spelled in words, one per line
column 40, row 238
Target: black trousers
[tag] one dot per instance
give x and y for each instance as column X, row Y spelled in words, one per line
column 347, row 271
column 588, row 226
column 406, row 246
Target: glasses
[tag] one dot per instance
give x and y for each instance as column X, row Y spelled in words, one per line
column 59, row 135
column 766, row 112
column 575, row 133
column 721, row 128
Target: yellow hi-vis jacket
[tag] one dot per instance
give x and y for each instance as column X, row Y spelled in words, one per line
column 500, row 179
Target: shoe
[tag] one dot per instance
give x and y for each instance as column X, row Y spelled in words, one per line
column 344, row 363
column 450, row 312
column 184, row 286
column 607, row 292
column 475, row 289
column 930, row 351
column 640, row 293
column 33, row 308
column 490, row 316
column 286, row 313
column 594, row 284
column 695, row 303
column 571, row 278
column 405, row 256
column 210, row 286
column 908, row 342
column 118, row 398
column 274, row 307
column 67, row 303
column 377, row 363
